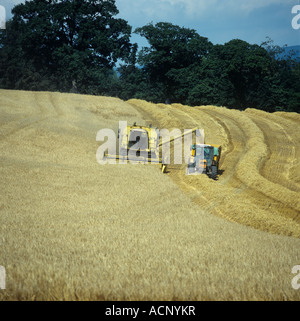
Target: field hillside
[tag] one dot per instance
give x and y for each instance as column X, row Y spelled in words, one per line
column 72, row 229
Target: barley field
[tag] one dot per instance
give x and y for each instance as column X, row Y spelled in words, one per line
column 72, row 229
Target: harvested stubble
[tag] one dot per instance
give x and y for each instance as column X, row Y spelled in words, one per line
column 71, row 229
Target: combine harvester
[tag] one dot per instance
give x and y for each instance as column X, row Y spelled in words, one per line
column 142, row 144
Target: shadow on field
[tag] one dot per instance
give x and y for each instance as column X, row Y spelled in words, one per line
column 221, row 172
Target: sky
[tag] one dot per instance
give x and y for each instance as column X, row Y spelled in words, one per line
column 218, row 20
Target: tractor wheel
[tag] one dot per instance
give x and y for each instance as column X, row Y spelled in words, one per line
column 214, row 172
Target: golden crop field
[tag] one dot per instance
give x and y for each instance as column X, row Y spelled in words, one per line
column 72, row 229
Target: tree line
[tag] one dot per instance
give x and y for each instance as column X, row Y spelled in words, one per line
column 75, row 46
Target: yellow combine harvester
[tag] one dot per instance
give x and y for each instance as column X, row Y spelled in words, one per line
column 142, row 144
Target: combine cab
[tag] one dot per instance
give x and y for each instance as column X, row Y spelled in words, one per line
column 204, row 159
column 139, row 141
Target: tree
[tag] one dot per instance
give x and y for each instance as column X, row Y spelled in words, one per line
column 210, row 85
column 284, row 86
column 172, row 50
column 70, row 40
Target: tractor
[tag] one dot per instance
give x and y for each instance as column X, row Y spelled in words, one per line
column 205, row 159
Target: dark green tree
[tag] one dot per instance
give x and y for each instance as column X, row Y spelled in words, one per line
column 136, row 83
column 171, row 52
column 70, row 41
column 16, row 70
column 210, row 84
column 283, row 85
column 246, row 66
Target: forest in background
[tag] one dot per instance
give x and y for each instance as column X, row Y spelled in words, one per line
column 82, row 47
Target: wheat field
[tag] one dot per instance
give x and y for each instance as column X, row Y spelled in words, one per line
column 72, row 229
